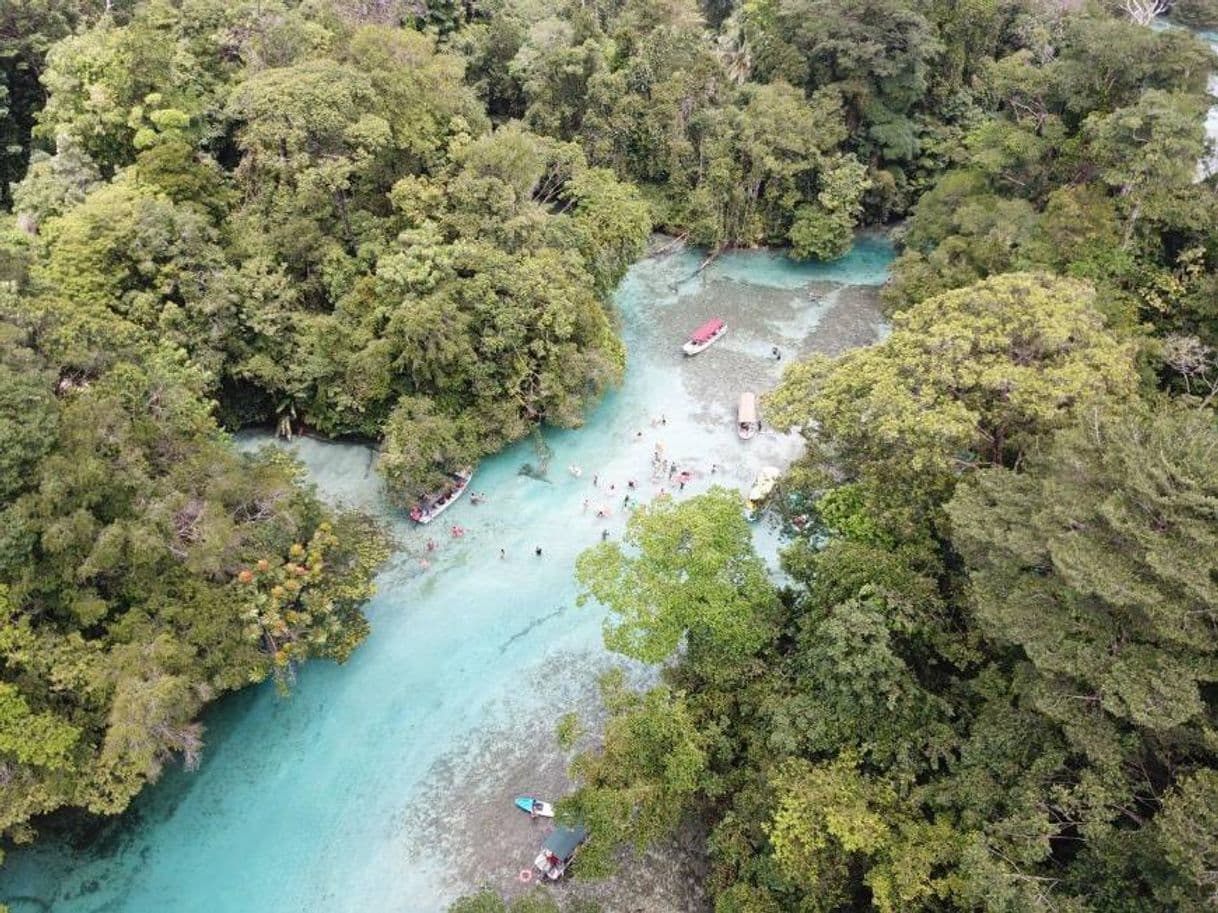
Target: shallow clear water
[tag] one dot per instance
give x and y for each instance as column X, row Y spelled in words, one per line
column 386, row 784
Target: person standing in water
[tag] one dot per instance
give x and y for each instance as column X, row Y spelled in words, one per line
column 537, row 551
column 503, row 554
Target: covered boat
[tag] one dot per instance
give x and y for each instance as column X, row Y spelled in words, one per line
column 559, row 849
column 707, row 334
column 747, row 424
column 434, row 505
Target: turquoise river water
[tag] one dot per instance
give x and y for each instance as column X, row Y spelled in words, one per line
column 386, row 784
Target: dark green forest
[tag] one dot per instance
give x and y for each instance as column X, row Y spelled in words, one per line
column 990, row 681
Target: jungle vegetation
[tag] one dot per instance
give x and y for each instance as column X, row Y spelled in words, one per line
column 992, row 681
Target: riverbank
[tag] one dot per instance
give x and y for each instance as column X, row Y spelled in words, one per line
column 387, row 783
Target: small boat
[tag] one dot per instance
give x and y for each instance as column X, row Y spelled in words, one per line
column 747, row 424
column 431, row 507
column 703, row 337
column 764, row 484
column 558, row 850
column 535, row 806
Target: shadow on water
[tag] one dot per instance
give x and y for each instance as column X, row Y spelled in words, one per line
column 532, row 626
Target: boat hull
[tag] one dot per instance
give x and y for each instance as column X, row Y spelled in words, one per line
column 693, row 348
column 525, row 804
column 423, row 517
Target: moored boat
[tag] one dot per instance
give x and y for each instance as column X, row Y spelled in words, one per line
column 747, row 424
column 535, row 806
column 706, row 335
column 558, row 850
column 431, row 507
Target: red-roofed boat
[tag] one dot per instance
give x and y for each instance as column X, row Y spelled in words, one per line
column 706, row 335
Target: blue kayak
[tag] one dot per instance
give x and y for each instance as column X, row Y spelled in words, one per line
column 535, row 806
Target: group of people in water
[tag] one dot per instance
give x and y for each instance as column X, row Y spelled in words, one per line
column 665, row 473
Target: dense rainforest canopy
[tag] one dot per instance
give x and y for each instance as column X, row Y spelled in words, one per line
column 991, row 682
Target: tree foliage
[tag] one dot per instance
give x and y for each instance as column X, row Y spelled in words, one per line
column 146, row 568
column 695, row 580
column 987, row 682
column 991, row 685
column 969, row 377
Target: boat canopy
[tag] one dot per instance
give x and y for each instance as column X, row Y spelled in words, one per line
column 564, row 841
column 705, row 332
column 746, row 412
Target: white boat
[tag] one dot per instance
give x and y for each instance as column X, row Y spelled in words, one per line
column 705, row 336
column 430, row 508
column 767, row 478
column 535, row 806
column 747, row 424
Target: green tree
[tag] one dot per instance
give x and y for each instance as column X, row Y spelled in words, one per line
column 1183, row 837
column 1092, row 563
column 1147, row 149
column 694, row 578
column 967, row 378
column 829, row 816
column 28, row 28
column 644, row 778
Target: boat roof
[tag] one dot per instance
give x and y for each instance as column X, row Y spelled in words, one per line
column 707, row 330
column 563, row 840
column 747, row 410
